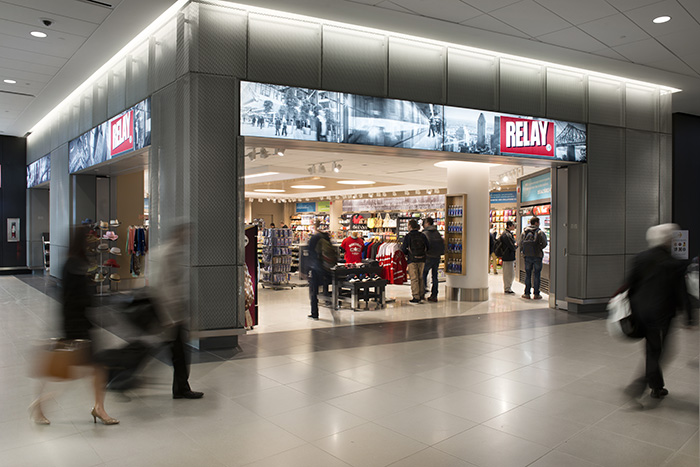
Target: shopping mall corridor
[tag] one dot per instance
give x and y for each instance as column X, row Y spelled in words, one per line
column 529, row 387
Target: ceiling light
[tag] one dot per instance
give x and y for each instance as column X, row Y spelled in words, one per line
column 264, row 154
column 269, row 190
column 262, row 174
column 430, row 192
column 280, row 152
column 393, row 193
column 505, row 178
column 308, row 187
column 662, row 19
column 43, row 34
column 251, row 155
column 9, row 81
column 312, row 169
column 371, row 195
column 259, row 200
column 406, row 192
column 321, row 168
column 336, row 167
column 356, row 182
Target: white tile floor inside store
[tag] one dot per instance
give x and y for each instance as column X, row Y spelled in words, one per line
column 511, row 387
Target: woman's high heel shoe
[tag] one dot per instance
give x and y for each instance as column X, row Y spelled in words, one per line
column 36, row 415
column 105, row 421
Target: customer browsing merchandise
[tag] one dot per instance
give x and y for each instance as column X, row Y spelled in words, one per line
column 415, row 246
column 533, row 243
column 505, row 248
column 432, row 261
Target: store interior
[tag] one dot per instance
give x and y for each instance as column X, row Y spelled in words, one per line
column 371, row 192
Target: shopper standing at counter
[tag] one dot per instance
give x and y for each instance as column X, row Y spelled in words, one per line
column 534, row 241
column 317, row 273
column 415, row 246
column 432, row 262
column 507, row 240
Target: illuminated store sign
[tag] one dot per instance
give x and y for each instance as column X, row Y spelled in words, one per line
column 39, row 171
column 275, row 111
column 129, row 131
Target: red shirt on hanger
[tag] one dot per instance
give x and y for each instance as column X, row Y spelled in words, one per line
column 353, row 249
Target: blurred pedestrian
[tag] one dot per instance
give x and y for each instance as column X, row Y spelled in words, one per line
column 170, row 287
column 656, row 291
column 415, row 246
column 76, row 324
column 493, row 259
column 318, row 275
column 533, row 243
column 432, row 258
column 507, row 240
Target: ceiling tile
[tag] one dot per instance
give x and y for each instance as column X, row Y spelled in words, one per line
column 646, row 51
column 676, row 65
column 625, row 5
column 447, row 10
column 23, row 30
column 22, row 65
column 693, row 7
column 21, row 55
column 679, row 42
column 23, row 75
column 59, row 48
column 577, row 12
column 572, row 38
column 490, row 5
column 13, row 101
column 614, row 30
column 392, row 6
column 70, row 8
column 693, row 61
column 680, row 20
column 489, row 23
column 530, row 18
column 61, row 23
column 610, row 53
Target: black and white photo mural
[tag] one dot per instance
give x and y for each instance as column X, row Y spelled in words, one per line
column 39, row 171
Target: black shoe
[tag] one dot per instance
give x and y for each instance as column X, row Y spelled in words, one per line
column 659, row 393
column 537, row 297
column 432, row 299
column 509, row 292
column 188, row 395
column 414, row 300
column 313, row 317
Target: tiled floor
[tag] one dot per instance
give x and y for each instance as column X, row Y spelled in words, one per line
column 518, row 387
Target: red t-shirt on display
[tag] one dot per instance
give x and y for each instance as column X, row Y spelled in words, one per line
column 353, row 249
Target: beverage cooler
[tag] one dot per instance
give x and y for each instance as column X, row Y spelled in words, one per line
column 535, row 199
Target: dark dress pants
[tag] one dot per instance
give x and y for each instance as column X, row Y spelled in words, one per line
column 181, row 364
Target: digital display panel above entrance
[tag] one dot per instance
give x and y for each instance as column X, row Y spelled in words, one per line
column 276, row 111
column 129, row 131
column 39, row 171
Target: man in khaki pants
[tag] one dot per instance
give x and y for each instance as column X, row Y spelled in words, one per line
column 415, row 246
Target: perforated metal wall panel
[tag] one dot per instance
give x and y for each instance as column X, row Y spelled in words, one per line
column 116, row 88
column 665, row 178
column 219, row 45
column 165, row 52
column 212, row 164
column 629, row 264
column 354, row 61
column 665, row 112
column 522, row 87
column 59, row 208
column 605, row 275
column 642, row 108
column 606, row 190
column 284, row 51
column 576, row 276
column 606, row 101
column 566, row 95
column 86, row 111
column 214, row 296
column 37, row 223
column 642, row 187
column 137, row 75
column 472, row 80
column 74, row 119
column 577, row 210
column 99, row 100
column 417, row 71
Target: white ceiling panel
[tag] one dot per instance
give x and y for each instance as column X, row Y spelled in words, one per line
column 610, row 53
column 13, row 101
column 646, row 51
column 693, row 7
column 70, row 8
column 449, row 10
column 530, row 18
column 64, row 46
column 679, row 43
column 23, row 76
column 674, row 64
column 693, row 61
column 615, row 30
column 572, row 38
column 579, row 12
column 625, row 5
column 24, row 56
column 489, row 5
column 392, row 6
column 489, row 23
column 22, row 65
column 60, row 23
column 680, row 19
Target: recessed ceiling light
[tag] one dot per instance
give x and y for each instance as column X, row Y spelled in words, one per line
column 9, row 81
column 308, row 187
column 662, row 19
column 38, row 34
column 262, row 174
column 269, row 190
column 356, row 182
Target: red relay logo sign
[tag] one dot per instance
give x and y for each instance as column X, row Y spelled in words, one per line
column 526, row 136
column 121, row 132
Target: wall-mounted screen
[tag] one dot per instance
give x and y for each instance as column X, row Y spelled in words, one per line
column 39, row 171
column 277, row 111
column 536, row 188
column 129, row 131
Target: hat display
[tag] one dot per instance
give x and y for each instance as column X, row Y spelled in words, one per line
column 111, row 263
column 115, row 277
column 115, row 223
column 115, row 251
column 103, row 247
column 103, row 225
column 86, row 221
column 99, row 277
column 109, row 235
